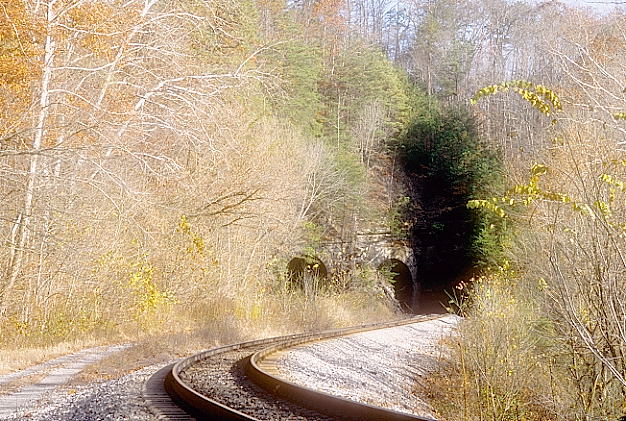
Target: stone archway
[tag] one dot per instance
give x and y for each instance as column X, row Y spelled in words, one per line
column 403, row 283
column 305, row 272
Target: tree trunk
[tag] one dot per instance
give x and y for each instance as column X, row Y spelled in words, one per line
column 29, row 194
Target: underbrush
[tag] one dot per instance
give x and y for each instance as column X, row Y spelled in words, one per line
column 181, row 327
column 510, row 362
column 500, row 366
column 549, row 342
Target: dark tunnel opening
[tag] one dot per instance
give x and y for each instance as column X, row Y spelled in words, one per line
column 443, row 230
column 302, row 269
column 404, row 288
column 446, row 165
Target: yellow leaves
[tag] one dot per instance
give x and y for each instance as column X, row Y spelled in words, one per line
column 555, row 197
column 608, row 179
column 148, row 296
column 142, row 274
column 534, row 100
column 583, row 209
column 184, row 225
column 490, row 205
column 198, row 243
column 21, row 327
column 543, row 284
column 616, row 185
column 538, row 169
column 501, row 87
column 198, row 249
column 20, row 62
column 540, row 97
column 527, row 194
column 619, row 116
column 529, row 189
column 550, row 96
column 312, row 268
column 603, row 207
column 100, row 26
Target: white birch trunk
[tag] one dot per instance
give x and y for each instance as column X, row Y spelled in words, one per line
column 29, row 194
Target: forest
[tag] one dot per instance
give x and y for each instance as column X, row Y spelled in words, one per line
column 162, row 160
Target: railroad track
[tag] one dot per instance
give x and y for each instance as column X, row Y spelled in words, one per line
column 240, row 382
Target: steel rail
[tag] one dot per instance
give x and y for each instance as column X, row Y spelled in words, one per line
column 200, row 407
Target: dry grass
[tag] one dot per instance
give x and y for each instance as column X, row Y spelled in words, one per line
column 196, row 213
column 184, row 330
column 498, row 366
column 511, row 362
column 19, row 357
column 326, row 314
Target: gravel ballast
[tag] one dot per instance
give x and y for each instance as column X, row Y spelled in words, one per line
column 118, row 399
column 380, row 367
column 377, row 367
column 50, row 399
column 221, row 377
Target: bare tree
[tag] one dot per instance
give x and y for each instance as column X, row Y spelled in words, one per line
column 118, row 105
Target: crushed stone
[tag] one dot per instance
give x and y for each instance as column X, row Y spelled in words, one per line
column 380, row 367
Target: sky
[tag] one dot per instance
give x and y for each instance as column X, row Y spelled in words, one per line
column 593, row 3
column 600, row 5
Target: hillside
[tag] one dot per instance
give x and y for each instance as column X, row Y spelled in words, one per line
column 163, row 161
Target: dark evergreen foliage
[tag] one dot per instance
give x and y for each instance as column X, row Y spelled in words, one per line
column 448, row 165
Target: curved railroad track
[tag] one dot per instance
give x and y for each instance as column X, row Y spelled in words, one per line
column 239, row 382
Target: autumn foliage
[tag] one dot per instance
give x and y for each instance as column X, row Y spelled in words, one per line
column 157, row 161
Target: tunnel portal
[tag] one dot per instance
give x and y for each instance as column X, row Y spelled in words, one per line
column 302, row 270
column 404, row 288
